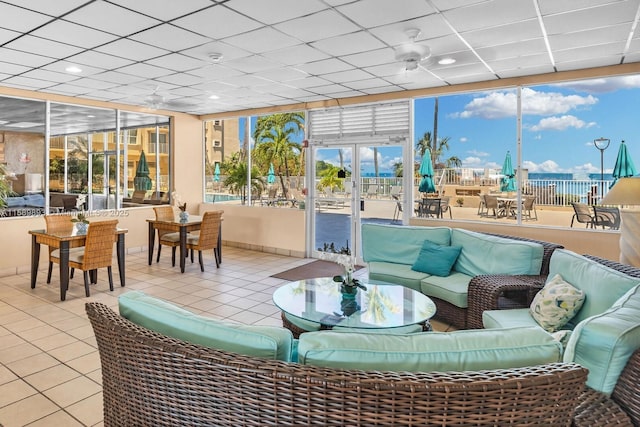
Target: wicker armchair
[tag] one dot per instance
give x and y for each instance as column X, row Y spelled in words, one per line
column 207, row 238
column 153, row 380
column 56, row 223
column 165, row 237
column 492, row 292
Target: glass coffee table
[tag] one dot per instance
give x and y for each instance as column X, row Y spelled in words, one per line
column 382, row 305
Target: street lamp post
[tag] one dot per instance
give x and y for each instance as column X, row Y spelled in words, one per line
column 601, row 144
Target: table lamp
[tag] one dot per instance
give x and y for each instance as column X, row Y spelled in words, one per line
column 626, row 192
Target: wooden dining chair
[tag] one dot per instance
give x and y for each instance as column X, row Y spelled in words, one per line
column 96, row 253
column 57, row 223
column 207, row 238
column 165, row 237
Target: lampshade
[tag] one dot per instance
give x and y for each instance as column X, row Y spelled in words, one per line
column 625, row 192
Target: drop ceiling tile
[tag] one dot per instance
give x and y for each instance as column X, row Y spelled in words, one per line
column 53, row 8
column 430, row 27
column 113, row 19
column 68, row 89
column 540, row 60
column 252, row 64
column 99, row 60
column 503, row 34
column 282, row 74
column 177, row 62
column 517, row 72
column 372, row 13
column 308, row 82
column 90, row 83
column 103, row 95
column 145, row 70
column 381, row 89
column 366, row 84
column 489, row 14
column 50, row 76
column 19, row 19
column 299, row 54
column 596, row 17
column 461, row 70
column 386, row 71
column 116, row 77
column 262, row 40
column 61, row 66
column 446, row 45
column 614, row 33
column 347, row 76
column 326, row 66
column 40, row 46
column 370, row 58
column 8, row 68
column 217, row 22
column 327, row 89
column 421, row 85
column 315, row 27
column 131, row 49
column 215, row 72
column 246, row 80
column 180, row 79
column 6, row 35
column 228, row 52
column 28, row 82
column 443, row 5
column 164, row 9
column 170, row 37
column 186, row 91
column 348, row 44
column 479, row 77
column 590, row 52
column 73, row 34
column 274, row 11
column 23, row 58
column 601, row 61
column 548, row 7
column 510, row 50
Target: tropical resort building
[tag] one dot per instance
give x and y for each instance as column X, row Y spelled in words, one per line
column 301, row 121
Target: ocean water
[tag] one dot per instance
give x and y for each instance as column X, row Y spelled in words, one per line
column 568, row 176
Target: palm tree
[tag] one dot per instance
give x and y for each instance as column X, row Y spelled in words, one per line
column 437, row 149
column 398, row 169
column 236, row 180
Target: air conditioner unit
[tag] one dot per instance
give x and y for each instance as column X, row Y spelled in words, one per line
column 217, row 143
column 217, row 123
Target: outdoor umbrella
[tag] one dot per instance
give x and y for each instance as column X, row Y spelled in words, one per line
column 216, row 173
column 271, row 176
column 508, row 182
column 624, row 165
column 426, row 171
column 142, row 181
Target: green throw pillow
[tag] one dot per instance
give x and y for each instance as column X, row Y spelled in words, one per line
column 436, row 259
column 556, row 304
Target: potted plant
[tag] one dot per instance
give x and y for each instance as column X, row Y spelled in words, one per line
column 5, row 187
column 460, row 202
column 81, row 222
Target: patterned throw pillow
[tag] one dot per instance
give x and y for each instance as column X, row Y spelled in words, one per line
column 556, row 304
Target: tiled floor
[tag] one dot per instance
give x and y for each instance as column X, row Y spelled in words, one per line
column 49, row 364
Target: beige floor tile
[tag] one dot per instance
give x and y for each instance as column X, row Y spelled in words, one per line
column 88, row 410
column 52, row 377
column 27, row 410
column 17, row 352
column 6, row 375
column 32, row 364
column 57, row 419
column 60, row 339
column 85, row 364
column 14, row 391
column 71, row 351
column 72, row 391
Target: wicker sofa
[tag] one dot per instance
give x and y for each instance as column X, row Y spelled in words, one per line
column 151, row 379
column 466, row 293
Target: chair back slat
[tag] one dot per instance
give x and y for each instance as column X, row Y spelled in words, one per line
column 164, row 213
column 209, row 231
column 98, row 250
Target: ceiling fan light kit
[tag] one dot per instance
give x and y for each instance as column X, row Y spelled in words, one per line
column 411, row 53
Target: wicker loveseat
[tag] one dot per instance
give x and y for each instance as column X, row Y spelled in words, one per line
column 151, row 379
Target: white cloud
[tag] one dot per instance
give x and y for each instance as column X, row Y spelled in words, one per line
column 463, row 139
column 548, row 166
column 478, row 153
column 604, row 85
column 560, row 123
column 497, row 105
column 472, row 162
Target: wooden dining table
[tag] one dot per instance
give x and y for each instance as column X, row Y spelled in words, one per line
column 192, row 223
column 64, row 240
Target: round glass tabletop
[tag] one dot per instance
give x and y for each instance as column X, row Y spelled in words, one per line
column 381, row 305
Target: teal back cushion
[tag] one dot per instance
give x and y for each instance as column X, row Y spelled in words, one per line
column 160, row 316
column 467, row 350
column 485, row 254
column 604, row 343
column 602, row 285
column 399, row 244
column 436, row 259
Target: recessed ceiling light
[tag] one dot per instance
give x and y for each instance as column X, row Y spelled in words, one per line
column 446, row 61
column 91, row 116
column 73, row 69
column 215, row 56
column 214, row 97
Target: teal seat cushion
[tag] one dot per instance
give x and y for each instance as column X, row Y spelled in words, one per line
column 452, row 288
column 399, row 244
column 484, row 254
column 602, row 285
column 160, row 316
column 492, row 319
column 397, row 274
column 604, row 343
column 468, row 350
column 310, row 326
column 436, row 259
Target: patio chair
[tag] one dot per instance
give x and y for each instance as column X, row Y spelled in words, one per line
column 529, row 208
column 582, row 214
column 467, row 177
column 397, row 212
column 96, row 253
column 395, row 190
column 57, row 223
column 372, row 191
column 429, row 207
column 165, row 237
column 207, row 238
column 481, row 205
column 445, row 206
column 491, row 202
column 606, row 217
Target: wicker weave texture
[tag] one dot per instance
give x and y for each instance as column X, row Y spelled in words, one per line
column 207, row 238
column 164, row 213
column 153, row 380
column 98, row 249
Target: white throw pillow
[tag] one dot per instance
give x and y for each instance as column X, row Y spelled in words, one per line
column 556, row 304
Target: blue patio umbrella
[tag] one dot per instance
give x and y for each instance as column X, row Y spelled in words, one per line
column 216, row 173
column 426, row 171
column 271, row 176
column 624, row 165
column 508, row 182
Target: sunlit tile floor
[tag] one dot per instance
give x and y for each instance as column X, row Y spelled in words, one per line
column 49, row 363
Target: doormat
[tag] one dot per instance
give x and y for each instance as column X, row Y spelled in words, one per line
column 318, row 268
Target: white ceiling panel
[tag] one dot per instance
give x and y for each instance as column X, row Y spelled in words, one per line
column 281, row 52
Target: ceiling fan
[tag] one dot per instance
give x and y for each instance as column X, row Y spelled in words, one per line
column 155, row 100
column 412, row 53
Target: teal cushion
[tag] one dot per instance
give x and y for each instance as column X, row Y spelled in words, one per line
column 516, row 317
column 604, row 343
column 399, row 244
column 398, row 274
column 436, row 259
column 165, row 318
column 468, row 350
column 484, row 254
column 556, row 303
column 603, row 286
column 309, row 326
column 453, row 288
